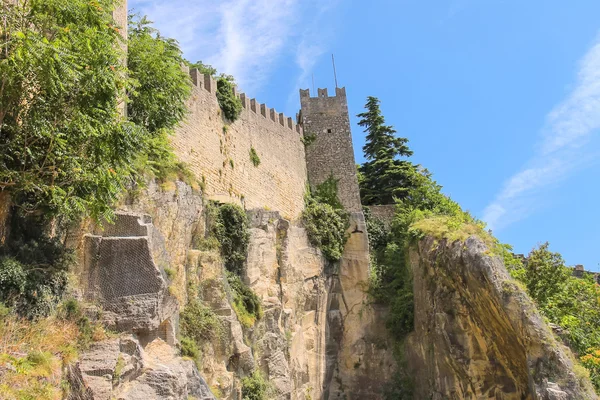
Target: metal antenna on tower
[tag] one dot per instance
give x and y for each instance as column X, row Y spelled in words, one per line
column 334, row 73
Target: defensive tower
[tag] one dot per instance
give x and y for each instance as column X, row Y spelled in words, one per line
column 327, row 119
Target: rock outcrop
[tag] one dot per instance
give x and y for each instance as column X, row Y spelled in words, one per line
column 478, row 335
column 124, row 273
column 121, row 369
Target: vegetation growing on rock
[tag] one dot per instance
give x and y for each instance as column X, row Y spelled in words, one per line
column 571, row 303
column 199, row 322
column 230, row 227
column 325, row 220
column 33, row 268
column 255, row 387
column 67, row 149
column 35, row 353
column 246, row 303
column 254, row 157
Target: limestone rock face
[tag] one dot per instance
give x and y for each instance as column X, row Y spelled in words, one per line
column 359, row 353
column 121, row 369
column 478, row 335
column 123, row 273
column 318, row 338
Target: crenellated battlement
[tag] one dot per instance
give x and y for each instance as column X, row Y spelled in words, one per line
column 208, row 83
column 322, row 93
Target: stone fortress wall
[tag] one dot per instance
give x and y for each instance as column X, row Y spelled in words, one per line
column 218, row 152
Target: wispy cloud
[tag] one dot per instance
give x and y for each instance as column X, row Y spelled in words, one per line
column 568, row 127
column 313, row 44
column 243, row 38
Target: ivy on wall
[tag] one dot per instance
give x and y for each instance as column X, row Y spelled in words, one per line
column 229, row 103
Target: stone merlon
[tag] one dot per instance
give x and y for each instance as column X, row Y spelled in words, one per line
column 209, row 83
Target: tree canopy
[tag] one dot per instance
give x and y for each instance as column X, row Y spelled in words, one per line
column 65, row 145
column 384, row 176
column 67, row 148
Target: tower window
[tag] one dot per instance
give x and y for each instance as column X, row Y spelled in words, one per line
column 328, row 130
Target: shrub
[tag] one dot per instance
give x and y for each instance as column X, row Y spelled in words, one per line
column 254, row 157
column 308, row 138
column 13, row 280
column 229, row 225
column 246, row 303
column 326, row 228
column 229, row 103
column 254, row 387
column 71, row 310
column 189, row 348
column 32, row 268
column 202, row 68
column 591, row 362
column 327, row 192
column 200, row 323
column 325, row 220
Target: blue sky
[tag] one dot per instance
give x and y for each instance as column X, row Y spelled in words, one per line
column 500, row 99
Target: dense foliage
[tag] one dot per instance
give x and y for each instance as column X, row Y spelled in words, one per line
column 384, row 176
column 33, row 268
column 229, row 225
column 325, row 220
column 157, row 101
column 198, row 324
column 570, row 302
column 202, row 68
column 65, row 146
column 230, row 104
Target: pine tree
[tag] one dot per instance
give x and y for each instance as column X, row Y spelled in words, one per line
column 384, row 177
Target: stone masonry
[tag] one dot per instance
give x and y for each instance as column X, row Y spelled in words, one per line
column 218, row 152
column 332, row 152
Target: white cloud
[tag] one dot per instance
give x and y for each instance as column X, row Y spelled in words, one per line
column 568, row 127
column 311, row 47
column 243, row 38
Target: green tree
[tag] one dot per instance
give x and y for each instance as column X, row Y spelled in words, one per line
column 157, row 102
column 546, row 274
column 384, row 177
column 65, row 147
column 203, row 68
column 161, row 86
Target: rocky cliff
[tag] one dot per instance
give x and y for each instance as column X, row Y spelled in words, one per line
column 318, row 337
column 478, row 335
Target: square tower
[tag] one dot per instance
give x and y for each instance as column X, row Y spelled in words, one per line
column 332, row 152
